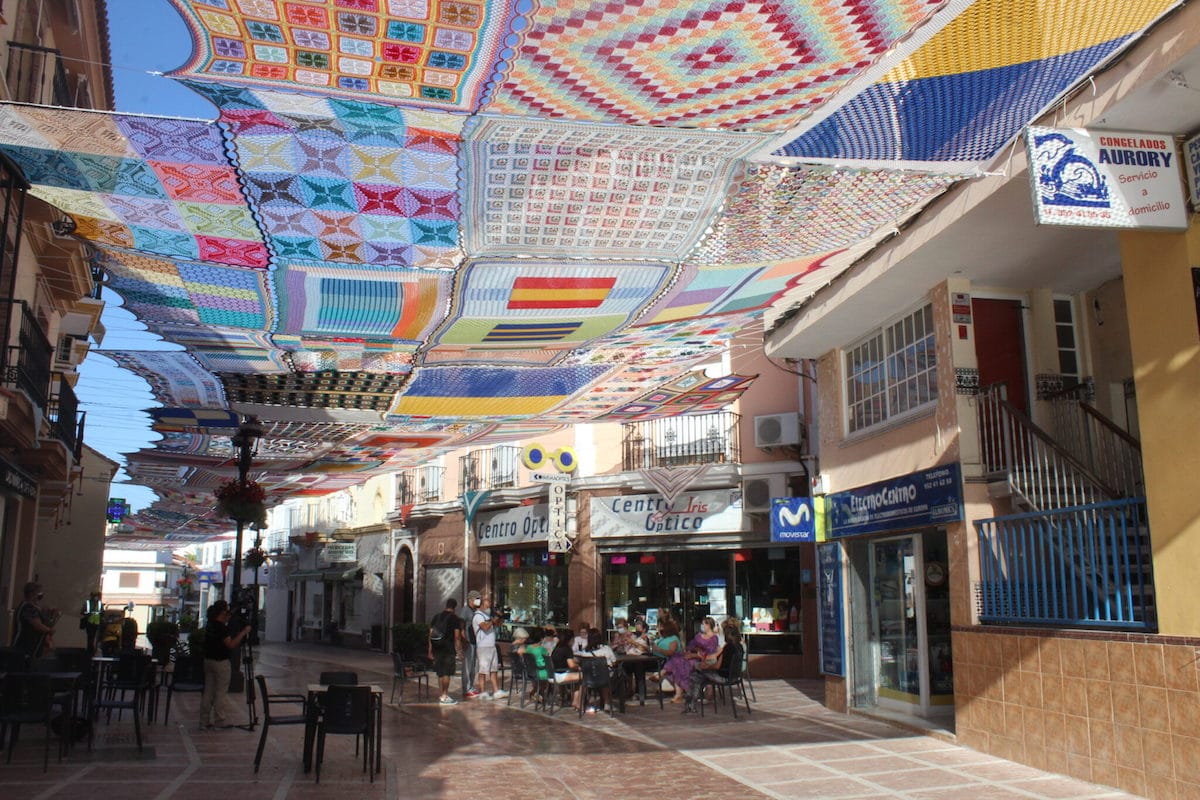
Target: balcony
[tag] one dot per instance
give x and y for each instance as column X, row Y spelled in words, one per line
column 26, row 364
column 37, row 75
column 62, row 412
column 495, row 468
column 420, row 485
column 680, row 441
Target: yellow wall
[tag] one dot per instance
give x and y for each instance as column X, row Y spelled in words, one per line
column 1166, row 357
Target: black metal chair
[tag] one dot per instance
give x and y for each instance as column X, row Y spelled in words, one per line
column 340, row 678
column 541, row 686
column 186, row 676
column 404, row 670
column 269, row 719
column 519, row 677
column 13, row 659
column 596, row 678
column 728, row 677
column 347, row 710
column 131, row 675
column 27, row 698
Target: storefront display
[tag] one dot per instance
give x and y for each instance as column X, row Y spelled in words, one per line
column 529, row 583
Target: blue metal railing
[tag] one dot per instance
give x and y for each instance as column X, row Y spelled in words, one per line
column 1085, row 566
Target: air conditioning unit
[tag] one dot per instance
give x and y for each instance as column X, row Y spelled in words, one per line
column 776, row 430
column 757, row 492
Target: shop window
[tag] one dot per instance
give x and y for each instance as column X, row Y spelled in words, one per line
column 892, row 372
column 530, row 588
column 1068, row 353
column 768, row 589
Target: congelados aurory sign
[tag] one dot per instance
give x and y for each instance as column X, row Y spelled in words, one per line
column 1105, row 179
column 718, row 511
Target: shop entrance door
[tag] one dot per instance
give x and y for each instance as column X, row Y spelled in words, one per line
column 902, row 674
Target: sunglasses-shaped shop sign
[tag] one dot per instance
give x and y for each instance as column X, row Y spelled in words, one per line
column 549, row 467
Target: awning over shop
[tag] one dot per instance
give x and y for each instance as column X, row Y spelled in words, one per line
column 332, row 575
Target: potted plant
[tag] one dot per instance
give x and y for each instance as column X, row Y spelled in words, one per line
column 254, row 558
column 410, row 640
column 242, row 501
column 162, row 634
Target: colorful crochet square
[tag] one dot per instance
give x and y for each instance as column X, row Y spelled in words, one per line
column 175, row 378
column 369, row 391
column 472, row 392
column 344, row 354
column 691, row 393
column 964, row 94
column 618, row 388
column 435, row 53
column 777, row 213
column 556, row 306
column 380, row 303
column 561, row 190
column 346, row 181
column 189, row 292
column 186, row 419
column 697, row 63
column 225, row 349
column 161, row 186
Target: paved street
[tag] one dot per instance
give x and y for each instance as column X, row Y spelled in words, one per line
column 790, row 747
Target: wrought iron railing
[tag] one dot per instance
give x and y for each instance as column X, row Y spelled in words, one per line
column 1088, row 566
column 494, row 468
column 1107, row 451
column 1039, row 471
column 62, row 412
column 26, row 362
column 420, row 485
column 36, row 74
column 678, row 441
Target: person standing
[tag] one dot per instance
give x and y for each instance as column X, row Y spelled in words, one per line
column 89, row 619
column 445, row 640
column 219, row 646
column 487, row 661
column 34, row 633
column 468, row 661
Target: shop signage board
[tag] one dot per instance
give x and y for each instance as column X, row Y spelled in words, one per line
column 829, row 601
column 715, row 511
column 930, row 497
column 340, row 553
column 15, row 480
column 549, row 477
column 509, row 526
column 558, row 512
column 793, row 519
column 1105, row 179
column 1191, row 160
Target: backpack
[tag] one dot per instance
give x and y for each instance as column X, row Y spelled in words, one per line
column 437, row 628
column 471, row 626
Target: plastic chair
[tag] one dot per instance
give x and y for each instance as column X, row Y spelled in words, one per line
column 402, row 671
column 269, row 719
column 27, row 698
column 347, row 710
column 597, row 678
column 728, row 677
column 187, row 676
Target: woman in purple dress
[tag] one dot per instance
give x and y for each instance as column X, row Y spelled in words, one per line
column 703, row 647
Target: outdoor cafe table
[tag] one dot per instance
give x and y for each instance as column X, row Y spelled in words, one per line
column 315, row 692
column 636, row 665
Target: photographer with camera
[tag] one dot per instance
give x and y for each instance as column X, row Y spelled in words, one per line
column 219, row 646
column 484, row 623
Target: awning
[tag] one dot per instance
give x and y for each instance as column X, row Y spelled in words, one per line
column 333, row 575
column 306, row 575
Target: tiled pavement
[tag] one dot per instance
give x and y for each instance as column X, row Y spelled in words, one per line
column 790, row 747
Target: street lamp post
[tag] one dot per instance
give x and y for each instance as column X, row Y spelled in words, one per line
column 245, row 444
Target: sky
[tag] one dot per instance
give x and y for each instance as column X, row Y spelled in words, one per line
column 145, row 36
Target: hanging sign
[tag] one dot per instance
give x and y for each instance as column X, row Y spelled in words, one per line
column 793, row 520
column 558, row 512
column 829, row 602
column 1191, row 160
column 339, row 553
column 1105, row 179
column 931, row 497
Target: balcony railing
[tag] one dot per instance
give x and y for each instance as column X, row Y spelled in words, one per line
column 678, row 441
column 37, row 75
column 1087, row 566
column 420, row 485
column 26, row 364
column 62, row 411
column 495, row 468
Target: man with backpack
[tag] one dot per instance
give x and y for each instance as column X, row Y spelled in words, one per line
column 445, row 639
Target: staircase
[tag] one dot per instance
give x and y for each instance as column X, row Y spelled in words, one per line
column 1078, row 494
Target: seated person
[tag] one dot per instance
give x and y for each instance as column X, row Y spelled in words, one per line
column 709, row 671
column 704, row 644
column 535, row 647
column 676, row 668
column 596, row 648
column 638, row 643
column 562, row 661
column 579, row 643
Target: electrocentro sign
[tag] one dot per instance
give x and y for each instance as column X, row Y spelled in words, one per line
column 717, row 511
column 930, row 497
column 1105, row 179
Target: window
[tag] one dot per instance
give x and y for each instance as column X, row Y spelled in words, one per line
column 892, row 372
column 127, row 580
column 1068, row 354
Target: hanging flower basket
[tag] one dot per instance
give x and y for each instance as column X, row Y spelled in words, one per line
column 254, row 558
column 242, row 502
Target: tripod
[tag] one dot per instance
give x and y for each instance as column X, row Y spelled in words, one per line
column 247, row 656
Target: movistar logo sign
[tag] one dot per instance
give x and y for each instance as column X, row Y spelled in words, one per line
column 792, row 519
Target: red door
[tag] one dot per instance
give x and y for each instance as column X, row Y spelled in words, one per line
column 1000, row 347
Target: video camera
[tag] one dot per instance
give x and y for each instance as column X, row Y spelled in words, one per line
column 503, row 614
column 243, row 611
